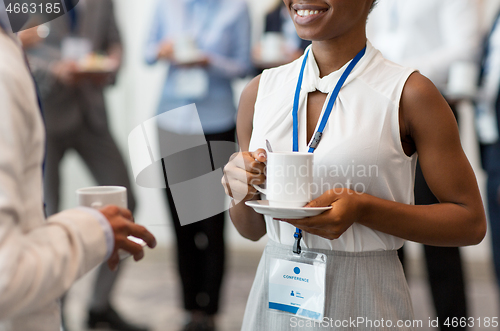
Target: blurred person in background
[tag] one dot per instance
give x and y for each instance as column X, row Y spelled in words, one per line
column 431, row 35
column 77, row 58
column 280, row 43
column 488, row 128
column 207, row 43
column 41, row 258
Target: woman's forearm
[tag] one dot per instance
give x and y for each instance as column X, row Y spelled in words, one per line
column 442, row 224
column 249, row 224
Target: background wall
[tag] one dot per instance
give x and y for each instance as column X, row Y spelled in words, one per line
column 134, row 100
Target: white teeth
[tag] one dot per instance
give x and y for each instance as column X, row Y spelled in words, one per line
column 304, row 13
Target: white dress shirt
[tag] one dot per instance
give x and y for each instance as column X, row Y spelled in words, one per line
column 429, row 35
column 39, row 259
column 221, row 30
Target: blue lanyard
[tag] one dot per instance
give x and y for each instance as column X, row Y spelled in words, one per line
column 317, row 136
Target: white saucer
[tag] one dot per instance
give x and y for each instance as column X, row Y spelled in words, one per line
column 197, row 57
column 262, row 207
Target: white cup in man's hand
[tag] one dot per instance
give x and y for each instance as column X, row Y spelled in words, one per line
column 99, row 196
column 104, row 198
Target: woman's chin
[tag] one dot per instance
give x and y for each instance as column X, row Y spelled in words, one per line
column 309, row 34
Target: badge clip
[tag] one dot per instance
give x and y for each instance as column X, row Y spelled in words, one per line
column 316, row 140
column 296, row 246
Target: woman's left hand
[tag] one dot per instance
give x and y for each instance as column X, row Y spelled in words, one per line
column 346, row 209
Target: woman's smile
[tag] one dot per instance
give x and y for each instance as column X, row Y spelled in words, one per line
column 306, row 13
column 321, row 20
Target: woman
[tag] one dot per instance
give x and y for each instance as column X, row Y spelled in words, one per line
column 207, row 43
column 383, row 116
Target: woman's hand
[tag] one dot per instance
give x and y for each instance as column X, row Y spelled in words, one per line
column 346, row 210
column 242, row 171
column 166, row 51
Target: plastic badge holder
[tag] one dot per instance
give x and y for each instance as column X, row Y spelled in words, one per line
column 296, row 282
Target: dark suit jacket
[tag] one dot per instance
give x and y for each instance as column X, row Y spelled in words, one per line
column 66, row 108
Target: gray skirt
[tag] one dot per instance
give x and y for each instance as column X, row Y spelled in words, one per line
column 364, row 291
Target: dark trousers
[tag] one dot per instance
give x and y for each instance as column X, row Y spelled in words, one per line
column 490, row 155
column 200, row 246
column 444, row 267
column 101, row 155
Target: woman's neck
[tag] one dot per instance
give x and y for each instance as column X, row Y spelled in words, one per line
column 333, row 54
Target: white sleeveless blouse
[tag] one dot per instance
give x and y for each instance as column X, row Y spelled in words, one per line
column 361, row 145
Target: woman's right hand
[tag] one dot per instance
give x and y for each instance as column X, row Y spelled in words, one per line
column 242, row 171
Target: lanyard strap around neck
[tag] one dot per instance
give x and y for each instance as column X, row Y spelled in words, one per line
column 329, row 106
column 317, row 136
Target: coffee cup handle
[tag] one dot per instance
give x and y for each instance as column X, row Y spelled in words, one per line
column 260, row 189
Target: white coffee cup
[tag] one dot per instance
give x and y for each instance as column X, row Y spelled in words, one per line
column 73, row 48
column 185, row 49
column 99, row 196
column 289, row 176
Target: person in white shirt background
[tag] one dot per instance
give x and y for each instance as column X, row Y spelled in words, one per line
column 218, row 33
column 40, row 259
column 431, row 35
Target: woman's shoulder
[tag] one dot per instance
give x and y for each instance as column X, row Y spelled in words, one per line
column 382, row 68
column 385, row 77
column 250, row 91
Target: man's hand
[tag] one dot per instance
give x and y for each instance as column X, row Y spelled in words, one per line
column 123, row 225
column 65, row 72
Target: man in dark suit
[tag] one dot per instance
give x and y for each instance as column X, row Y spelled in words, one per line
column 75, row 114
